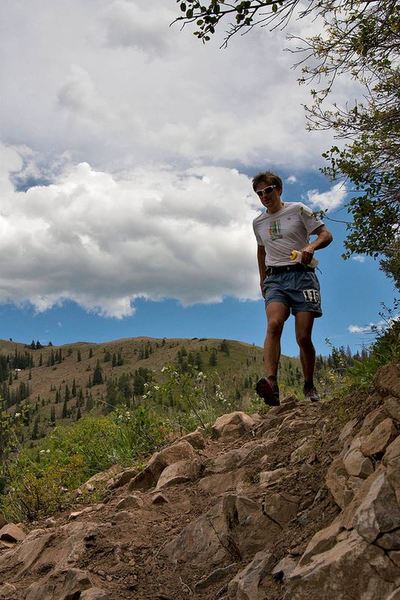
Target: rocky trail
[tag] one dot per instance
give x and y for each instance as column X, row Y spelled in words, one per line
column 302, row 503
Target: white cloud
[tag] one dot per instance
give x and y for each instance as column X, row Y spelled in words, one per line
column 358, row 258
column 103, row 241
column 113, row 84
column 361, row 328
column 291, row 179
column 329, row 200
column 373, row 327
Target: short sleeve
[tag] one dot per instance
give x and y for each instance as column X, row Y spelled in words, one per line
column 311, row 222
column 258, row 238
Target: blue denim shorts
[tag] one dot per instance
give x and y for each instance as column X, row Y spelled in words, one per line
column 299, row 290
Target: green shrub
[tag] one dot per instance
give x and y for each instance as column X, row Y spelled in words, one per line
column 41, row 479
column 385, row 349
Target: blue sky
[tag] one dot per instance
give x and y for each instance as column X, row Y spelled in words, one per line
column 125, row 179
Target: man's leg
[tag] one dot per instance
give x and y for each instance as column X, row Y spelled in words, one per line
column 304, row 323
column 267, row 387
column 277, row 313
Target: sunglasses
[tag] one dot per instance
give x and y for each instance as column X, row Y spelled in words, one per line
column 266, row 190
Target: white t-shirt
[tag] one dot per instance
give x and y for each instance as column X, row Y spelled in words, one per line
column 284, row 231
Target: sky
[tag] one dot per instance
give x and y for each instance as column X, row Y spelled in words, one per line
column 127, row 149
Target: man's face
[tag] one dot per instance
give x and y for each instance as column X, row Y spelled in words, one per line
column 269, row 194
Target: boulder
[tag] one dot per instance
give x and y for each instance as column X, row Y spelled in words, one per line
column 122, row 478
column 43, row 550
column 246, row 585
column 392, row 461
column 100, row 479
column 223, row 482
column 179, row 472
column 347, row 431
column 227, row 461
column 214, row 576
column 323, row 540
column 148, row 478
column 281, row 508
column 247, row 454
column 387, row 379
column 160, row 499
column 195, row 439
column 129, row 502
column 233, row 425
column 392, row 407
column 298, row 425
column 235, row 528
column 64, row 584
column 389, row 541
column 305, row 450
column 350, row 510
column 12, row 533
column 268, row 478
column 352, row 568
column 336, row 481
column 378, row 440
column 372, row 419
column 378, row 512
column 356, row 464
column 284, row 567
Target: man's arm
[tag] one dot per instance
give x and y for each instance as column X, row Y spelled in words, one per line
column 261, row 264
column 323, row 239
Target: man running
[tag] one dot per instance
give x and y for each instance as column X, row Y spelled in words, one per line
column 287, row 286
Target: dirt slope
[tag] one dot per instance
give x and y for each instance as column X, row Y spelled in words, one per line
column 302, row 503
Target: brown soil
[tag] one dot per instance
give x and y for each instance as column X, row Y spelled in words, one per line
column 124, row 554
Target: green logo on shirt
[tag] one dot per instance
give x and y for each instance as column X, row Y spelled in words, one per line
column 275, row 230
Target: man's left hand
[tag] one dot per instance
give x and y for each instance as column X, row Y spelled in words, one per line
column 307, row 255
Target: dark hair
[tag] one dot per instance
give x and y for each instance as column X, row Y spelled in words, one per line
column 268, row 178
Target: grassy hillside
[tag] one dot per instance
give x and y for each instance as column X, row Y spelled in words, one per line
column 58, row 384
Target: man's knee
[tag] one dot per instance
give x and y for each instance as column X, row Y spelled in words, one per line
column 304, row 340
column 275, row 326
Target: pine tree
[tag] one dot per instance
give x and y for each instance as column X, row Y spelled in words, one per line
column 213, row 359
column 73, row 391
column 91, row 353
column 78, row 357
column 97, row 374
column 89, row 402
column 64, row 410
column 53, row 415
column 35, row 428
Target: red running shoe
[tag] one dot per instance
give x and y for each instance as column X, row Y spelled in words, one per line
column 268, row 390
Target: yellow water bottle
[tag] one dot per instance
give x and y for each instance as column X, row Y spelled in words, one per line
column 295, row 256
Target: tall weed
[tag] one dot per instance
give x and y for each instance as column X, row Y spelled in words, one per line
column 42, row 479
